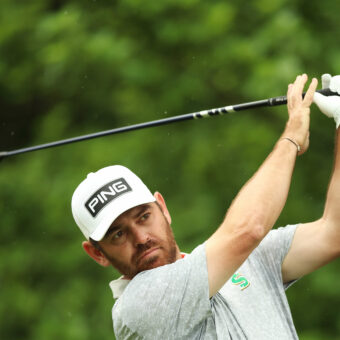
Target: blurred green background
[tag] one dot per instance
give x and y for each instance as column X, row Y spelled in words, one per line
column 74, row 67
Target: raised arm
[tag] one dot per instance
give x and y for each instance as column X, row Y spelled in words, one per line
column 259, row 203
column 317, row 243
column 331, row 213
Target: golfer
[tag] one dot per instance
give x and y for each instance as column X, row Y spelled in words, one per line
column 233, row 285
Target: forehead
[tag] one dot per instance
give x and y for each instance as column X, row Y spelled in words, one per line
column 132, row 213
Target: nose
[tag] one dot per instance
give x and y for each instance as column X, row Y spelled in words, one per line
column 140, row 236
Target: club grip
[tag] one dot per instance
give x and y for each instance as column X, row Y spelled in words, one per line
column 327, row 92
column 283, row 99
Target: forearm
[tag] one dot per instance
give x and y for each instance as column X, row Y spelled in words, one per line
column 263, row 197
column 261, row 200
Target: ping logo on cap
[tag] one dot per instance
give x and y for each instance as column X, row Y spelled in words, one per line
column 106, row 194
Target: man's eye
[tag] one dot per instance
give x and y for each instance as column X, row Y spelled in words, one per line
column 118, row 234
column 145, row 217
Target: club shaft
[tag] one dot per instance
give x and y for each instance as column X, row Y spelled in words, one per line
column 189, row 116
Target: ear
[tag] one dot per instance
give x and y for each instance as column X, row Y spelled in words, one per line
column 96, row 254
column 161, row 202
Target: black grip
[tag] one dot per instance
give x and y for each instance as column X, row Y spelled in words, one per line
column 283, row 99
column 327, row 92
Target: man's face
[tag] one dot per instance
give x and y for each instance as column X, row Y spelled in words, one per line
column 140, row 239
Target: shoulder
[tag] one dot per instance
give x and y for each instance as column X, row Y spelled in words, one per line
column 150, row 287
column 158, row 301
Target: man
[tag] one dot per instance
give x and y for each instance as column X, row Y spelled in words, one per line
column 233, row 285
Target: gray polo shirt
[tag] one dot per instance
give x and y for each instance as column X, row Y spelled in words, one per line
column 172, row 301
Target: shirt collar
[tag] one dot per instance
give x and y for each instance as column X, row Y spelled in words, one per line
column 118, row 286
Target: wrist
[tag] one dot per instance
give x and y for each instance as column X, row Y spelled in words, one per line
column 293, row 143
column 297, row 137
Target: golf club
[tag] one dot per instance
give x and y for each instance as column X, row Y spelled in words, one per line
column 189, row 116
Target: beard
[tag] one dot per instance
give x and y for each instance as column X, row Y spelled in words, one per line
column 166, row 254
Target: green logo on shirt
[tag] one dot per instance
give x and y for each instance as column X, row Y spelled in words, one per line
column 238, row 279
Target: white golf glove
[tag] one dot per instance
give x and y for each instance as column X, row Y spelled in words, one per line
column 330, row 106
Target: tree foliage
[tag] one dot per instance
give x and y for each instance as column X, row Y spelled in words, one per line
column 69, row 68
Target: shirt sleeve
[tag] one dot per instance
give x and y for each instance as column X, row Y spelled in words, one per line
column 274, row 248
column 168, row 302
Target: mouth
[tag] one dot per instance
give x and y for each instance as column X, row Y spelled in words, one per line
column 148, row 253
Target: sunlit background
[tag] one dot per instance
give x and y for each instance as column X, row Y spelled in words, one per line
column 69, row 68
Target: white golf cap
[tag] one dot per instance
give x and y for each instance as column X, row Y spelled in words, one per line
column 103, row 196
